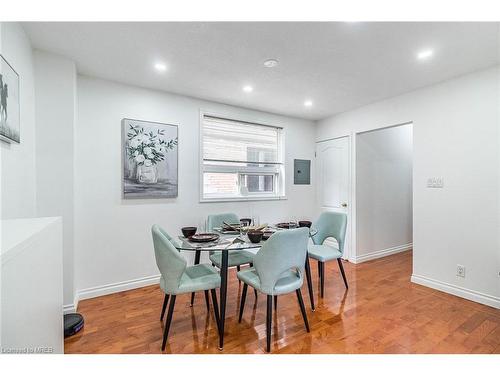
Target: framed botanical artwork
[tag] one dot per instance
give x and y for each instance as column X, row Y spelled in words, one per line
column 149, row 159
column 9, row 103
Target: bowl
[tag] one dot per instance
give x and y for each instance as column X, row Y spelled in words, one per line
column 188, row 231
column 255, row 236
column 305, row 223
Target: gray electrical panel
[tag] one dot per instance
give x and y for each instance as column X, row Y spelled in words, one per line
column 301, row 172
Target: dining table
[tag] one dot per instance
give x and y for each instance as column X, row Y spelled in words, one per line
column 224, row 244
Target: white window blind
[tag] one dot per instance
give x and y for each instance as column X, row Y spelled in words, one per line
column 240, row 159
column 229, row 140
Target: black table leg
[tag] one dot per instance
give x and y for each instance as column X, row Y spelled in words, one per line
column 309, row 282
column 223, row 292
column 196, row 261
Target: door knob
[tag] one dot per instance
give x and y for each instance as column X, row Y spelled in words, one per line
column 344, row 204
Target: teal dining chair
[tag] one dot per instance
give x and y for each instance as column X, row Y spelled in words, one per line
column 236, row 258
column 278, row 269
column 176, row 278
column 329, row 224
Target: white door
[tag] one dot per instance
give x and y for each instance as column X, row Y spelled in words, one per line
column 332, row 179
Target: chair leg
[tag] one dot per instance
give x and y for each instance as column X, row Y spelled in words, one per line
column 197, row 257
column 339, row 261
column 238, row 269
column 165, row 302
column 309, row 282
column 322, row 278
column 207, row 301
column 168, row 322
column 302, row 308
column 242, row 302
column 269, row 319
column 216, row 307
column 319, row 270
column 255, row 290
column 275, row 302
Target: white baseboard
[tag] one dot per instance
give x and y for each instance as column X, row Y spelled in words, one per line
column 381, row 253
column 117, row 287
column 472, row 295
column 71, row 308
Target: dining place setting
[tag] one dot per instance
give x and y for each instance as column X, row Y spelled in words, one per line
column 272, row 259
column 244, row 230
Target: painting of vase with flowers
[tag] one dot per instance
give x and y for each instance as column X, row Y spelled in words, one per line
column 149, row 159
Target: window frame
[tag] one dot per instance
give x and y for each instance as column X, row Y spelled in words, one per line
column 279, row 192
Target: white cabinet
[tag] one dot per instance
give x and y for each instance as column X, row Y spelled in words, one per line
column 31, row 286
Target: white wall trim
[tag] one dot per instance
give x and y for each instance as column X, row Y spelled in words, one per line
column 117, row 287
column 382, row 253
column 71, row 308
column 469, row 294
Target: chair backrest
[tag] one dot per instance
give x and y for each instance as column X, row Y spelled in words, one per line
column 215, row 221
column 283, row 251
column 172, row 240
column 169, row 261
column 331, row 224
column 164, row 232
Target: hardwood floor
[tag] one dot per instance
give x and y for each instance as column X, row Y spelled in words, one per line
column 382, row 312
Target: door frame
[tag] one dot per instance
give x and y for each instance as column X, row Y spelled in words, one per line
column 349, row 255
column 353, row 181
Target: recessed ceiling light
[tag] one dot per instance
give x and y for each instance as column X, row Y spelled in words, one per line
column 247, row 88
column 425, row 54
column 271, row 63
column 160, row 67
column 308, row 103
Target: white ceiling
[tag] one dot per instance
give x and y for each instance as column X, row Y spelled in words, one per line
column 339, row 66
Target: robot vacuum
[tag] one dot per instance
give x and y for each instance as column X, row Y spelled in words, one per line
column 72, row 324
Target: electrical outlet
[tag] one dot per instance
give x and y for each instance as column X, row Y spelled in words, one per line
column 435, row 182
column 460, row 270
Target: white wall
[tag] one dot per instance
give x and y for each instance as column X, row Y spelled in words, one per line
column 18, row 160
column 455, row 136
column 384, row 191
column 112, row 236
column 55, row 93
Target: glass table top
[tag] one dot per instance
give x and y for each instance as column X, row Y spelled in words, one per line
column 224, row 243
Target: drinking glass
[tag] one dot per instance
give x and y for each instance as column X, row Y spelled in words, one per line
column 243, row 231
column 255, row 220
column 202, row 226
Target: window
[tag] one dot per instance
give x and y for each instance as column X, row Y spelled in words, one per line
column 241, row 160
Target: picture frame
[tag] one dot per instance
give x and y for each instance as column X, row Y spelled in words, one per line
column 149, row 159
column 10, row 111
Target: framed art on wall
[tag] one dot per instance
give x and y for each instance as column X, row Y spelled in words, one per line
column 149, row 159
column 9, row 103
